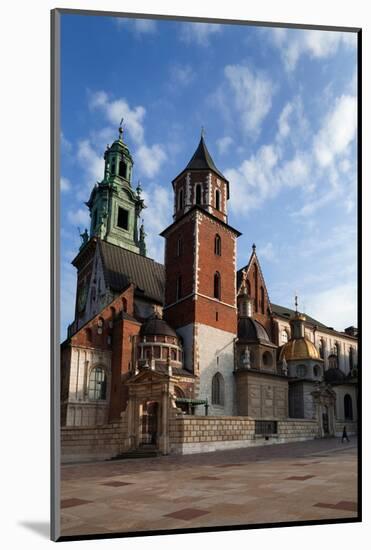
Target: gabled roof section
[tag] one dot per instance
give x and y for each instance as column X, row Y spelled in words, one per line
column 253, row 259
column 202, row 160
column 122, row 267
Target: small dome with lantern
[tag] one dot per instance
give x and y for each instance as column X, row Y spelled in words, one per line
column 299, row 348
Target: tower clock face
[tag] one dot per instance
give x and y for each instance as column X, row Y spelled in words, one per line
column 83, row 294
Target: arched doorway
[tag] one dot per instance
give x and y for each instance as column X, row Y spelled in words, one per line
column 325, row 421
column 149, row 423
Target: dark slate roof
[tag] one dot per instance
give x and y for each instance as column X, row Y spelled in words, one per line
column 122, row 267
column 201, row 160
column 290, row 314
column 157, row 327
column 251, row 330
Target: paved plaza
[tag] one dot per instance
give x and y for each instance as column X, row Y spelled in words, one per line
column 313, row 480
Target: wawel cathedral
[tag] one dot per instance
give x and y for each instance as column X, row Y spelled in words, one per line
column 190, row 355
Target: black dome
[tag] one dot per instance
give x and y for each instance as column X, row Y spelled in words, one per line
column 334, row 375
column 157, row 327
column 249, row 329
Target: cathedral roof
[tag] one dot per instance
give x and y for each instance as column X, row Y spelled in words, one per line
column 122, row 267
column 155, row 326
column 201, row 160
column 251, row 330
column 299, row 348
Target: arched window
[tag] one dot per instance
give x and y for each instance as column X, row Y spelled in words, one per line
column 217, row 199
column 301, row 371
column 267, row 359
column 316, row 370
column 124, row 304
column 113, row 167
column 348, row 407
column 180, row 200
column 123, row 169
column 217, row 286
column 218, row 245
column 284, row 336
column 173, row 354
column 198, row 194
column 262, row 304
column 97, row 384
column 217, row 389
column 89, row 335
column 179, row 287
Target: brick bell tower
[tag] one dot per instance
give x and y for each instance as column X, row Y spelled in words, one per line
column 200, row 275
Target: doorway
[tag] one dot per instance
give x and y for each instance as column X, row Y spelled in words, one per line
column 149, row 424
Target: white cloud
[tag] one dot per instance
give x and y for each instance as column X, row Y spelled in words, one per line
column 138, row 26
column 335, row 306
column 150, row 159
column 116, row 109
column 251, row 96
column 65, row 184
column 316, row 44
column 91, row 162
column 198, row 33
column 181, row 75
column 338, row 130
column 157, row 216
column 224, row 144
column 79, row 217
column 268, row 252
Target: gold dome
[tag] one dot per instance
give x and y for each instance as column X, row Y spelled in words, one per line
column 299, row 348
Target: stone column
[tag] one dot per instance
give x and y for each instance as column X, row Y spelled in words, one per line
column 164, row 440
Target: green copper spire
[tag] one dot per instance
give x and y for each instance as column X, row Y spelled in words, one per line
column 113, row 204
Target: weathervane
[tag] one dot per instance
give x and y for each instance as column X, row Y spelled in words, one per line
column 296, row 303
column 202, row 132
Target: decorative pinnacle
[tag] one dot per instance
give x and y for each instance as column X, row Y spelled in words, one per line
column 253, row 247
column 121, row 128
column 296, row 304
column 139, row 188
column 202, row 132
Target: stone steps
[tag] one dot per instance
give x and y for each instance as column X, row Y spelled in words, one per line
column 138, row 453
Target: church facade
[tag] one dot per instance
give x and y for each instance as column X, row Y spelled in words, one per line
column 154, row 347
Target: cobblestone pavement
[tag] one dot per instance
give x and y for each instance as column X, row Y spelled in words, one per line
column 311, row 480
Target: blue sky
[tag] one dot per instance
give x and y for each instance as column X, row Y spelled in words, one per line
column 279, row 111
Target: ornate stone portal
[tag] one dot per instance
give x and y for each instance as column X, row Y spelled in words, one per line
column 324, row 398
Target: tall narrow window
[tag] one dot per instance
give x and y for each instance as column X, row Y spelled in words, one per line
column 262, row 304
column 348, row 407
column 198, row 193
column 217, row 285
column 179, row 287
column 180, row 200
column 123, row 218
column 113, row 167
column 218, row 245
column 97, row 384
column 321, row 349
column 217, row 199
column 179, row 247
column 123, row 169
column 351, row 359
column 217, row 389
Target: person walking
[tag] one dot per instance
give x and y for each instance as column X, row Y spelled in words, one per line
column 345, row 435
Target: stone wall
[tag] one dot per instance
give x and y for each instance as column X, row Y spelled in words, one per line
column 79, row 444
column 351, row 427
column 206, row 434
